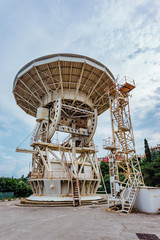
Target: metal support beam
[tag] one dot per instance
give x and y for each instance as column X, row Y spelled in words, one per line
column 80, row 78
column 95, row 86
column 44, row 161
column 45, row 87
column 25, row 100
column 35, row 82
column 77, row 109
column 39, row 100
column 61, row 80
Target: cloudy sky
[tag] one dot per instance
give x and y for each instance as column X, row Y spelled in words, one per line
column 124, row 35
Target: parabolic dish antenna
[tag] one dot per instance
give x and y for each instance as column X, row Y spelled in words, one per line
column 76, row 79
column 65, row 92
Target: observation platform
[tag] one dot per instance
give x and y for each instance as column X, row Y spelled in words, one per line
column 108, row 144
column 126, row 84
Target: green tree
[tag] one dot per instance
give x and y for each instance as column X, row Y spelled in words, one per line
column 151, row 170
column 105, row 172
column 147, row 151
column 20, row 186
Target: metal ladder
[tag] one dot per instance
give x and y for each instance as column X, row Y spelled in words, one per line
column 74, row 180
column 76, row 192
column 113, row 174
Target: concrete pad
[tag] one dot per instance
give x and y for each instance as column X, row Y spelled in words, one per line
column 76, row 223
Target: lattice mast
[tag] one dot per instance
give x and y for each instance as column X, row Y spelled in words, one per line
column 123, row 162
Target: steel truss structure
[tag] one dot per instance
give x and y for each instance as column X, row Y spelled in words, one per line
column 75, row 152
column 66, row 93
column 124, row 168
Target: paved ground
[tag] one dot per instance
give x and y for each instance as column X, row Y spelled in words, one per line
column 86, row 223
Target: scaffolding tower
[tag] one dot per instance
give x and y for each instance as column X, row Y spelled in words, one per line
column 124, row 169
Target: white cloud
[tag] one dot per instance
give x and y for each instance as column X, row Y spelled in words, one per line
column 11, row 165
column 123, row 35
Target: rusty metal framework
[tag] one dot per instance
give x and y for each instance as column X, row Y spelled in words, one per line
column 124, row 168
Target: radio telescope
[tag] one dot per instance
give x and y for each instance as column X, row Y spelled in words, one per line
column 66, row 93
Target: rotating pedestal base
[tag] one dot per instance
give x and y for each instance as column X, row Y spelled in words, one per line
column 50, row 201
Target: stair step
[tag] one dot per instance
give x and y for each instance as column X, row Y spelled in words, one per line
column 124, row 211
column 126, row 207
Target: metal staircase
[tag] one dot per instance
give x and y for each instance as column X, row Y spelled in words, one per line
column 128, row 202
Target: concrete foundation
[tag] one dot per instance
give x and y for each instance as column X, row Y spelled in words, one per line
column 56, row 186
column 62, row 198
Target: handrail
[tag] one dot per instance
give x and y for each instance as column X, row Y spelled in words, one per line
column 134, row 184
column 108, row 142
column 125, row 80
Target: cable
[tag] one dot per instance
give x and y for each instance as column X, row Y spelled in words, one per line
column 24, row 139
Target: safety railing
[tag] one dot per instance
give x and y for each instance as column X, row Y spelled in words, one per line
column 124, row 80
column 128, row 189
column 108, row 143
